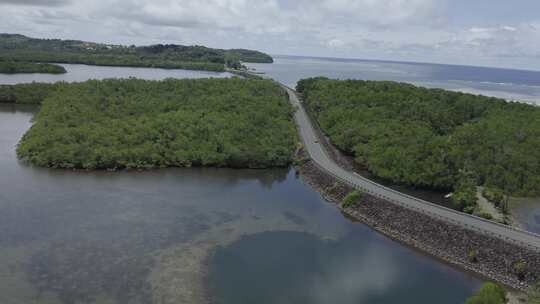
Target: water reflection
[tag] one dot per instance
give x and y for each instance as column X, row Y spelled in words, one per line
column 80, row 72
column 293, row 267
column 504, row 83
column 145, row 237
column 527, row 212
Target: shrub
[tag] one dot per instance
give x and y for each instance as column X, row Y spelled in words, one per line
column 494, row 195
column 351, row 199
column 469, row 209
column 520, row 269
column 300, row 160
column 533, row 294
column 489, row 293
column 486, row 216
column 473, row 256
column 464, row 198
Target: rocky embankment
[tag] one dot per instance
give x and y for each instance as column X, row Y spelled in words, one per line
column 509, row 264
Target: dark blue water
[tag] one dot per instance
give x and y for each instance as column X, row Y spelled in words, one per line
column 504, row 83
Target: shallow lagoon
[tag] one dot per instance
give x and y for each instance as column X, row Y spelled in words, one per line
column 191, row 235
column 178, row 235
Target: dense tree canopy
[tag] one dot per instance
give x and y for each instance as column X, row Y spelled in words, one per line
column 430, row 137
column 22, row 48
column 27, row 93
column 143, row 124
column 13, row 67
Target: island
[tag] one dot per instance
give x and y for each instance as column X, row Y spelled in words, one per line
column 431, row 138
column 15, row 47
column 17, row 67
column 142, row 124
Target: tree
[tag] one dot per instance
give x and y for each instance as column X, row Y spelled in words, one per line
column 464, row 197
column 489, row 293
column 169, row 56
column 427, row 138
column 141, row 124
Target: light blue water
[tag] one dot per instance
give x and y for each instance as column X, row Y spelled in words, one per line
column 503, row 83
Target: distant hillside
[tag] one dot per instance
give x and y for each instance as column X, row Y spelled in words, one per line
column 21, row 48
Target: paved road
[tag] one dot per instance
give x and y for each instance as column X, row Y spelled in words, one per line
column 320, row 157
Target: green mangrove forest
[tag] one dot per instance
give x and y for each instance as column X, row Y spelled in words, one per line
column 131, row 123
column 20, row 48
column 16, row 67
column 431, row 138
column 28, row 93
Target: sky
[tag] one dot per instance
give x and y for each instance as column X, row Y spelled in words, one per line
column 499, row 33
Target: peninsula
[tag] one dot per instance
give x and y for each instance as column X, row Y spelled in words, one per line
column 20, row 48
column 16, row 67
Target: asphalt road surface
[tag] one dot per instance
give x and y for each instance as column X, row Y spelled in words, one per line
column 318, row 154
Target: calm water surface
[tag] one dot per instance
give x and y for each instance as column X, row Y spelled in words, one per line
column 180, row 235
column 80, row 72
column 527, row 212
column 503, row 83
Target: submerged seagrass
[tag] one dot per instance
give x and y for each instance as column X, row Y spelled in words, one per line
column 133, row 123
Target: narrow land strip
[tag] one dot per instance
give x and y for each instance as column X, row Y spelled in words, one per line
column 318, row 154
column 497, row 252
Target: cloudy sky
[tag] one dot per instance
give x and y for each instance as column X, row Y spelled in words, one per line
column 477, row 32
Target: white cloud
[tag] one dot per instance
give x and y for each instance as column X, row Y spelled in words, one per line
column 336, row 43
column 418, row 30
column 384, row 12
column 36, row 2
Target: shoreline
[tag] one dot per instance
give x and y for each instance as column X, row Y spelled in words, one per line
column 445, row 242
